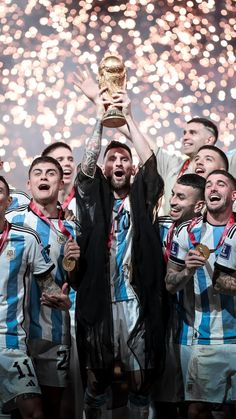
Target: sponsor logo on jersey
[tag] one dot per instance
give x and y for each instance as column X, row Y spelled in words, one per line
column 225, row 251
column 174, row 248
column 10, row 254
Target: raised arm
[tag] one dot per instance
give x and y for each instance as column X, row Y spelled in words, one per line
column 140, row 143
column 93, row 147
column 84, row 81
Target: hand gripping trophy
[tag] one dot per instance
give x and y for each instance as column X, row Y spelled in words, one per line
column 112, row 75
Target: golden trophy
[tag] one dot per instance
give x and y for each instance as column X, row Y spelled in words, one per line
column 112, row 75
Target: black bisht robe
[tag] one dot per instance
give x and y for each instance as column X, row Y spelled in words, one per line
column 92, row 281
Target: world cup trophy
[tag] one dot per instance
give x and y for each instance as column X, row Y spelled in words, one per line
column 112, row 75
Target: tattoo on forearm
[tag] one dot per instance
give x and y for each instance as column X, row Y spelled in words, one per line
column 48, row 285
column 176, row 280
column 224, row 283
column 92, row 151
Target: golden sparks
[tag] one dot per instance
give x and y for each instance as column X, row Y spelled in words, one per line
column 180, row 58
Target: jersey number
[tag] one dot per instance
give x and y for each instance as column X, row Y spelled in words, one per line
column 23, row 368
column 63, row 363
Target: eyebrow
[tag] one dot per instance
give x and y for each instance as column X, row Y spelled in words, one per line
column 47, row 170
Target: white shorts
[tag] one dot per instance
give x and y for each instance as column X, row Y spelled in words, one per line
column 17, row 376
column 51, row 362
column 211, row 375
column 125, row 315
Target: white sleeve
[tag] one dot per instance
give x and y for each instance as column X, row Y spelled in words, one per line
column 166, row 162
column 179, row 246
column 226, row 260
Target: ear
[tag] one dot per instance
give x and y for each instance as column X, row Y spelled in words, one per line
column 134, row 170
column 28, row 185
column 9, row 201
column 103, row 169
column 199, row 206
column 210, row 140
column 61, row 184
column 233, row 195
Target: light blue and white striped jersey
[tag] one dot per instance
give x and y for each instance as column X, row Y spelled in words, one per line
column 22, row 254
column 120, row 251
column 226, row 260
column 214, row 315
column 18, row 198
column 164, row 222
column 46, row 323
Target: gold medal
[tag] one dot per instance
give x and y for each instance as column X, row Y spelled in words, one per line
column 203, row 249
column 68, row 264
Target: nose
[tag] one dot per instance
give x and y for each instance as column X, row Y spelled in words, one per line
column 118, row 162
column 199, row 162
column 213, row 188
column 173, row 201
column 43, row 175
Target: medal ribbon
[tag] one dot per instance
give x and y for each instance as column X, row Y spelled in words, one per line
column 112, row 232
column 68, row 199
column 5, row 233
column 169, row 238
column 230, row 222
column 184, row 167
column 43, row 217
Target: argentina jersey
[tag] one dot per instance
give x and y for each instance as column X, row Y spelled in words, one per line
column 22, row 253
column 164, row 223
column 120, row 251
column 226, row 261
column 44, row 322
column 18, row 198
column 214, row 314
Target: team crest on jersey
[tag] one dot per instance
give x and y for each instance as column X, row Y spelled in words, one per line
column 45, row 255
column 61, row 239
column 10, row 254
column 174, row 248
column 225, row 251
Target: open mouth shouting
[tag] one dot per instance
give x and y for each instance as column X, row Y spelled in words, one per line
column 44, row 187
column 214, row 197
column 118, row 174
column 67, row 172
column 200, row 170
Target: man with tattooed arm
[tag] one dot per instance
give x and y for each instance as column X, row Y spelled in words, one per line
column 120, row 277
column 208, row 316
column 21, row 255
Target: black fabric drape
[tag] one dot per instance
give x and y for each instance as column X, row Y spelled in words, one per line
column 92, row 280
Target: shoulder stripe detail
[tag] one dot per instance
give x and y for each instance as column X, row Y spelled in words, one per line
column 24, row 229
column 19, row 192
column 186, row 224
column 19, row 209
column 232, row 231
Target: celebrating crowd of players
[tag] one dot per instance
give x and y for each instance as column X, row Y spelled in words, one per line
column 156, row 294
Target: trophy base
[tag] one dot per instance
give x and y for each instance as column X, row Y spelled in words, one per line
column 113, row 118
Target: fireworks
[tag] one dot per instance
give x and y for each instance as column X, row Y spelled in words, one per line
column 180, row 59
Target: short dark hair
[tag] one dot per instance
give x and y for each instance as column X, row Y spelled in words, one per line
column 195, row 181
column 46, row 159
column 226, row 174
column 207, row 123
column 219, row 151
column 3, row 180
column 117, row 144
column 54, row 146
